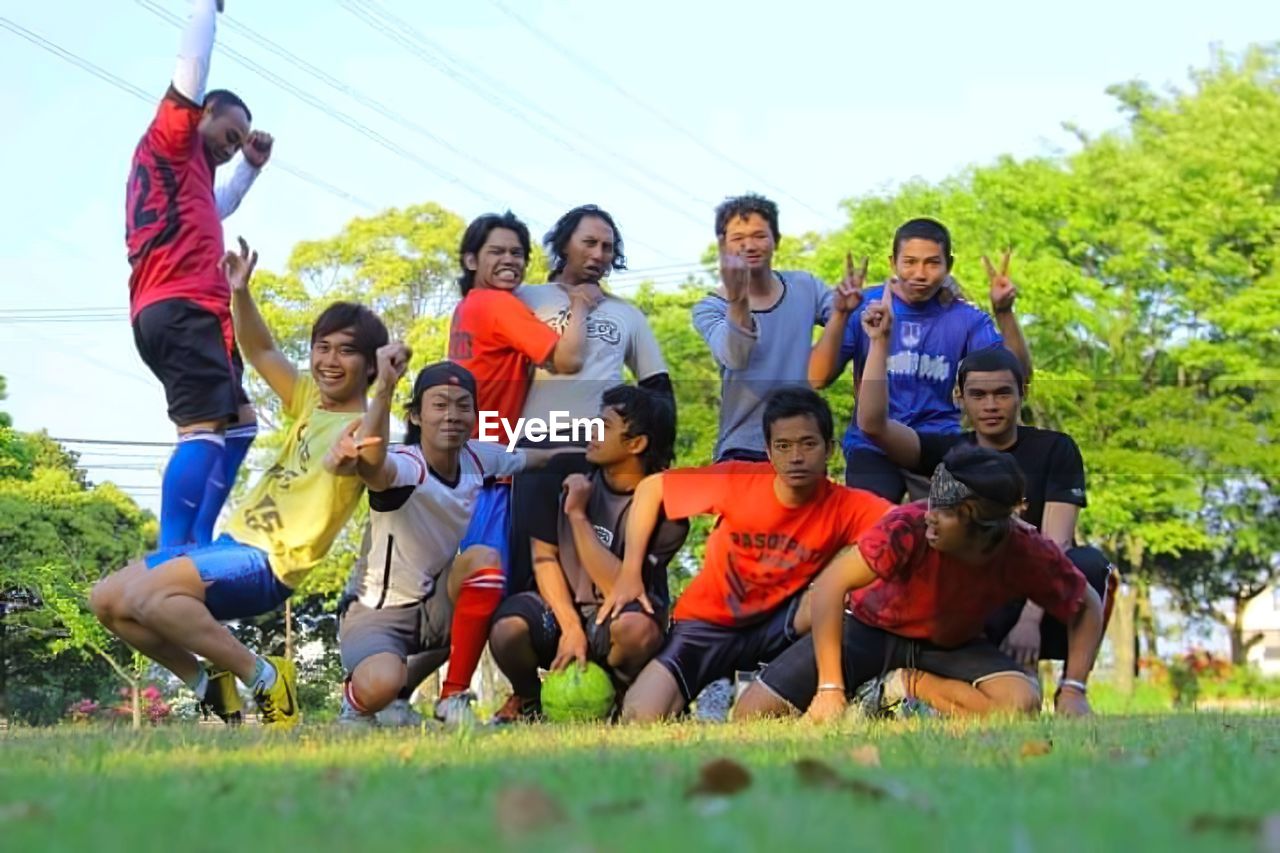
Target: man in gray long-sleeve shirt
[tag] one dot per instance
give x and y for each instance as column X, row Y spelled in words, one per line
column 759, row 323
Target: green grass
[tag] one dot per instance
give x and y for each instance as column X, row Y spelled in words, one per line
column 1156, row 782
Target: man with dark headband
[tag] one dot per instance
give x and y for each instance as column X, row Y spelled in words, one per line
column 918, row 588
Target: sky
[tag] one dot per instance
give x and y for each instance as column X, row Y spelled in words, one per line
column 655, row 111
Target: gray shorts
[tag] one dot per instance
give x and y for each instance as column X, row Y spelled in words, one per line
column 405, row 631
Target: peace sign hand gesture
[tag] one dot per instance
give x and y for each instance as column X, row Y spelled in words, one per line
column 848, row 295
column 877, row 318
column 1003, row 290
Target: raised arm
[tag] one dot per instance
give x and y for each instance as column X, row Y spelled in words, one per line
column 372, row 464
column 846, row 572
column 729, row 330
column 824, row 359
column 899, row 442
column 191, row 74
column 1003, row 294
column 254, row 155
column 570, row 351
column 256, row 344
column 646, row 505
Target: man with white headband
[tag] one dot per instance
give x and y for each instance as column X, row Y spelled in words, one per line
column 912, row 598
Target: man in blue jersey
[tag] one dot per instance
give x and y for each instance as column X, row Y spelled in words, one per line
column 932, row 333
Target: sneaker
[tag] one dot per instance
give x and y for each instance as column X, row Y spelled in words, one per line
column 869, row 701
column 399, row 713
column 455, row 711
column 713, row 703
column 349, row 717
column 222, row 698
column 279, row 703
column 517, row 709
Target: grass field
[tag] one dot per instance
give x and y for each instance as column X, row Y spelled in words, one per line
column 1206, row 781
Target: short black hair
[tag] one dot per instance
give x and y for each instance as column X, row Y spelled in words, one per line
column 795, row 400
column 556, row 241
column 742, row 206
column 991, row 359
column 368, row 332
column 650, row 415
column 992, row 475
column 223, row 99
column 477, row 232
column 924, row 229
column 432, row 376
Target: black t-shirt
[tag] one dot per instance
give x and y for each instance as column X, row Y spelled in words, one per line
column 1050, row 462
column 608, row 511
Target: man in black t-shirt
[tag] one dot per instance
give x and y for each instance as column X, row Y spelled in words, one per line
column 991, row 384
column 578, row 537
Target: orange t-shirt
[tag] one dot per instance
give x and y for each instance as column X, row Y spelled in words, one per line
column 760, row 553
column 495, row 336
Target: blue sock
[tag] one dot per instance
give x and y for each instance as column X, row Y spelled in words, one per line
column 220, row 483
column 195, row 459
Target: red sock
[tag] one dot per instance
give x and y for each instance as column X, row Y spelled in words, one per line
column 479, row 597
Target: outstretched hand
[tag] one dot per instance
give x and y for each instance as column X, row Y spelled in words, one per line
column 344, row 454
column 1003, row 290
column 877, row 318
column 393, row 361
column 848, row 294
column 238, row 268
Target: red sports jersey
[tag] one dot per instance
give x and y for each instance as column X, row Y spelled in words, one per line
column 924, row 594
column 495, row 336
column 172, row 227
column 760, row 553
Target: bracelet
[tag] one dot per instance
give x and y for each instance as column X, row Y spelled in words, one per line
column 829, row 686
column 1073, row 684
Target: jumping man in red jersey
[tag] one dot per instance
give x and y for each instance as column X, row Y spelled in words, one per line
column 179, row 303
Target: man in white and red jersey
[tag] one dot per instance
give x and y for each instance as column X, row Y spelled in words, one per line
column 179, row 303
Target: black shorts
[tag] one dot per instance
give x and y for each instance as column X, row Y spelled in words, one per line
column 544, row 630
column 698, row 653
column 528, row 494
column 870, row 652
column 873, row 472
column 183, row 346
column 1095, row 567
column 739, row 454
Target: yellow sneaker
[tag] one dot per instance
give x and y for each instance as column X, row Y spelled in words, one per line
column 222, row 698
column 279, row 703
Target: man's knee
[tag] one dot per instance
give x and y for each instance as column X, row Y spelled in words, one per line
column 654, row 696
column 635, row 635
column 475, row 558
column 103, row 600
column 507, row 633
column 377, row 680
column 1014, row 694
column 758, row 701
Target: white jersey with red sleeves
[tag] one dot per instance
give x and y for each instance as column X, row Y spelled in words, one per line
column 417, row 522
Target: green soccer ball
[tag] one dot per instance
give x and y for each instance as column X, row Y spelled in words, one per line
column 575, row 695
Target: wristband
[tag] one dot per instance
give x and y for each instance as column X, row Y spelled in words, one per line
column 829, row 686
column 1075, row 685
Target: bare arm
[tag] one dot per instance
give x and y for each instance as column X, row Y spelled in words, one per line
column 824, row 360
column 846, row 572
column 256, row 344
column 646, row 505
column 570, row 351
column 1003, row 294
column 1014, row 340
column 598, row 561
column 372, row 465
column 899, row 442
column 554, row 589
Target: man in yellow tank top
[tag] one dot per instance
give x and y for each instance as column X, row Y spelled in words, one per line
column 168, row 605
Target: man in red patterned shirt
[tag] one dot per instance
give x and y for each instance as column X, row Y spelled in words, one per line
column 918, row 589
column 179, row 303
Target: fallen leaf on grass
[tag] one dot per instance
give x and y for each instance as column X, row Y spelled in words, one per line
column 1226, row 823
column 616, row 807
column 818, row 774
column 525, row 808
column 405, row 753
column 22, row 810
column 1033, row 748
column 722, row 777
column 867, row 755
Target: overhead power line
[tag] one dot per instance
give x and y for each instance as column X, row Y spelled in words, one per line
column 140, row 93
column 600, row 75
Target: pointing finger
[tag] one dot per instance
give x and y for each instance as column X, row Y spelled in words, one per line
column 1004, row 263
column 990, row 268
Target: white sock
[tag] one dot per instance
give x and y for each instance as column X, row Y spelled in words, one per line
column 264, row 676
column 201, row 685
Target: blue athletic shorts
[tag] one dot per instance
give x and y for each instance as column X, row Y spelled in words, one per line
column 241, row 583
column 491, row 522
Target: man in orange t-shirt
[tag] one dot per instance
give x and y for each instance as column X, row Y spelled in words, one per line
column 780, row 523
column 499, row 340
